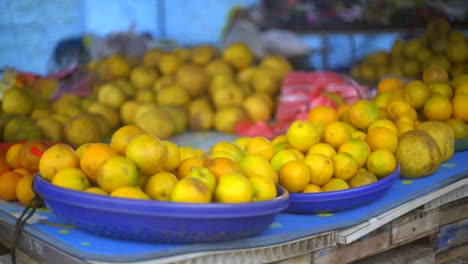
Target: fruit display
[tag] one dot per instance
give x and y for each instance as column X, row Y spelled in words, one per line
column 438, row 45
column 166, row 92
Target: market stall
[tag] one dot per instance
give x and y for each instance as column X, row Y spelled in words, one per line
column 142, row 150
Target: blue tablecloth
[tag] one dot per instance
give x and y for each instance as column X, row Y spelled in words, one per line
column 286, row 227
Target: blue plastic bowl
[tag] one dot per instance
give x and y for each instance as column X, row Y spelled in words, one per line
column 326, row 202
column 156, row 221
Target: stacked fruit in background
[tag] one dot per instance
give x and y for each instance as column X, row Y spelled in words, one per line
column 166, row 92
column 438, row 45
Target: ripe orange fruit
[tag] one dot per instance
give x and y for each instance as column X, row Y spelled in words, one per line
column 294, row 176
column 384, row 123
column 344, row 166
column 335, row 184
column 117, row 171
column 256, row 165
column 459, row 107
column 57, row 157
column 24, row 190
column 71, row 178
column 281, row 157
column 382, row 99
column 358, row 149
column 389, row 84
column 442, row 88
column 93, row 156
column 361, row 178
column 382, row 138
column 397, row 108
column 322, row 148
column 8, row 182
column 173, row 155
column 160, row 185
column 30, row 153
column 381, row 163
column 130, row 192
column 323, row 114
column 321, row 168
column 220, row 166
column 122, row 136
column 302, row 134
column 148, row 153
column 312, row 188
column 416, row 93
column 228, row 149
column 363, row 113
column 261, row 146
column 187, row 165
column 337, row 133
column 343, row 113
column 96, row 190
column 263, row 188
column 438, row 108
column 12, row 156
column 234, row 188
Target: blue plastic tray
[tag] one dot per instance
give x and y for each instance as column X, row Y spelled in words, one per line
column 157, row 221
column 323, row 202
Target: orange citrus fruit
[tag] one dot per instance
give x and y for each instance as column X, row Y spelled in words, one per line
column 312, row 188
column 382, row 99
column 322, row 148
column 323, row 114
column 294, row 176
column 256, row 165
column 283, row 156
column 160, row 185
column 442, row 88
column 261, row 146
column 148, row 153
column 228, row 149
column 8, row 182
column 187, row 165
column 389, row 84
column 459, row 107
column 263, row 189
column 93, row 157
column 234, row 188
column 71, row 178
column 302, row 134
column 12, row 156
column 383, row 123
column 363, row 113
column 344, row 166
column 416, row 93
column 117, row 171
column 362, row 178
column 381, row 163
column 130, row 192
column 58, row 156
column 220, row 166
column 335, row 184
column 173, row 155
column 382, row 138
column 358, row 149
column 337, row 133
column 321, row 168
column 122, row 136
column 438, row 108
